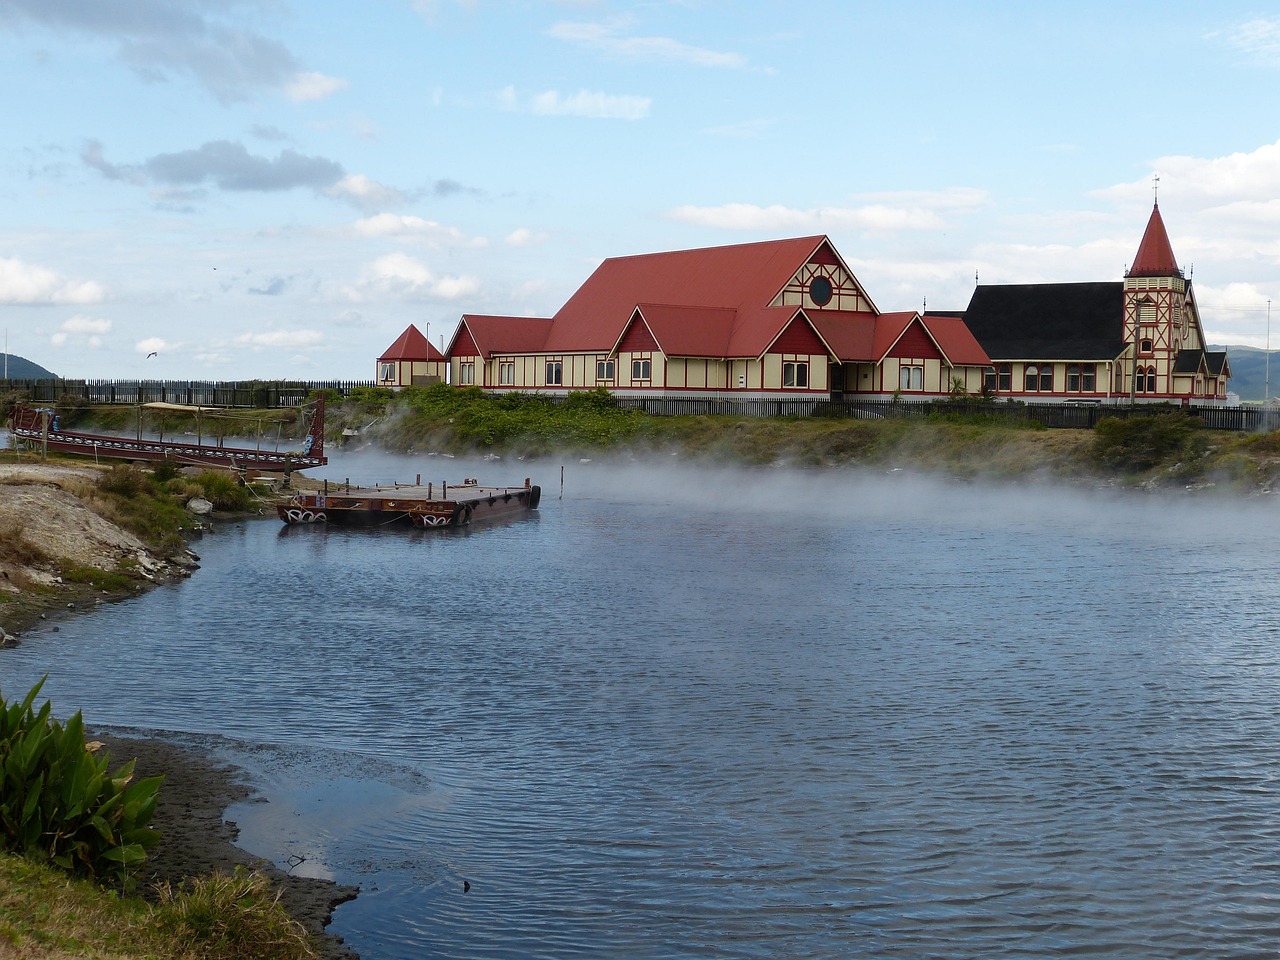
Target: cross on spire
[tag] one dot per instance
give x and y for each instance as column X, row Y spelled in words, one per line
column 1155, row 187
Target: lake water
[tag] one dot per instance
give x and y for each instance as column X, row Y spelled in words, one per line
column 689, row 713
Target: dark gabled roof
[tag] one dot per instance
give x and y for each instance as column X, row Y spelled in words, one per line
column 1212, row 362
column 1188, row 361
column 1048, row 321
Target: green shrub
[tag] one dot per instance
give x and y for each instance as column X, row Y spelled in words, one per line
column 1136, row 444
column 59, row 802
column 125, row 480
column 232, row 916
column 223, row 490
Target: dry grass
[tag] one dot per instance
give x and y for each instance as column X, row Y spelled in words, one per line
column 46, row 915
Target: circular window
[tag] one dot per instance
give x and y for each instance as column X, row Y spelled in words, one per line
column 820, row 291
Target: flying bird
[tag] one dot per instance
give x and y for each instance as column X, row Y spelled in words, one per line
column 151, row 354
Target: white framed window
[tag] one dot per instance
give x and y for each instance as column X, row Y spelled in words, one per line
column 795, row 374
column 386, row 371
column 467, row 373
column 555, row 373
column 641, row 369
column 506, row 373
column 911, row 378
column 604, row 371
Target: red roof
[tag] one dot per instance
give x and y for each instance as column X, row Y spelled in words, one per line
column 744, row 277
column 504, row 335
column 956, row 341
column 411, row 345
column 1155, row 254
column 688, row 331
column 851, row 336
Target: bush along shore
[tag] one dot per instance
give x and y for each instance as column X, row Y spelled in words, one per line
column 1166, row 450
column 132, row 859
column 81, row 838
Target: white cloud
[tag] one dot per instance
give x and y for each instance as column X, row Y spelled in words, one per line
column 81, row 330
column 1208, row 181
column 153, row 345
column 890, row 212
column 396, row 225
column 524, row 237
column 313, row 86
column 606, row 40
column 365, row 192
column 592, row 104
column 281, row 338
column 1259, row 38
column 398, row 273
column 27, row 283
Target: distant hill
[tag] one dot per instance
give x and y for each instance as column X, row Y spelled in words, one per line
column 22, row 369
column 1249, row 372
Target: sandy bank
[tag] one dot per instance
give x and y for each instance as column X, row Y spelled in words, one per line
column 197, row 840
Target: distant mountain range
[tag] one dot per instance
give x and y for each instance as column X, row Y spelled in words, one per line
column 19, row 368
column 1249, row 372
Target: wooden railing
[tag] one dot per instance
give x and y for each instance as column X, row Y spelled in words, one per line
column 222, row 393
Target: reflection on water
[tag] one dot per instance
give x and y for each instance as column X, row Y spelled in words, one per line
column 736, row 715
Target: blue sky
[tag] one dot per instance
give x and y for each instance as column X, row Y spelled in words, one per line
column 272, row 188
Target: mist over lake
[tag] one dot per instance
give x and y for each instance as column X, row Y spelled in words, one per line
column 689, row 712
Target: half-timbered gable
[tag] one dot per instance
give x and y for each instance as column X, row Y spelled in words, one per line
column 824, row 283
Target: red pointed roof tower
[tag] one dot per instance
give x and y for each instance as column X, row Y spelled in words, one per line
column 1155, row 254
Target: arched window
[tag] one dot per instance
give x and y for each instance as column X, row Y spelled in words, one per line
column 1151, row 379
column 1032, row 379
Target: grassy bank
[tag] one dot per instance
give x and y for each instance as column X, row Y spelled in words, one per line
column 59, row 523
column 1164, row 450
column 46, row 913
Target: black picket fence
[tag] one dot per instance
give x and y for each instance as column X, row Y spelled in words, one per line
column 1074, row 415
column 260, row 394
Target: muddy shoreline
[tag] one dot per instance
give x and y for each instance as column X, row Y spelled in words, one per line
column 195, row 837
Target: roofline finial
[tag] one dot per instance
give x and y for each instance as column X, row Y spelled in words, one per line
column 1155, row 187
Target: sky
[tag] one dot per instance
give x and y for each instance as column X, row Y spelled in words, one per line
column 238, row 189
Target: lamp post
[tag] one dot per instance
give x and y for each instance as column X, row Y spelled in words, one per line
column 1266, row 397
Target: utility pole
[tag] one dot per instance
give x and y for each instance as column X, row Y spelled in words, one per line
column 1266, row 398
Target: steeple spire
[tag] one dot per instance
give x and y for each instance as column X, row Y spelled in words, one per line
column 1155, row 254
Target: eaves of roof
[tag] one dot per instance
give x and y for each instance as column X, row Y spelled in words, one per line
column 494, row 335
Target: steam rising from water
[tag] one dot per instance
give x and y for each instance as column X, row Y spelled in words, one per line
column 699, row 712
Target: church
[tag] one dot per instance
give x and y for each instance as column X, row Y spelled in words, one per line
column 787, row 319
column 1137, row 340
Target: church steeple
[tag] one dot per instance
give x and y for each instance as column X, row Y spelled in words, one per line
column 1155, row 254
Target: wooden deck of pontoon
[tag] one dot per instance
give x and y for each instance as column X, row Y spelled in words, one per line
column 419, row 505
